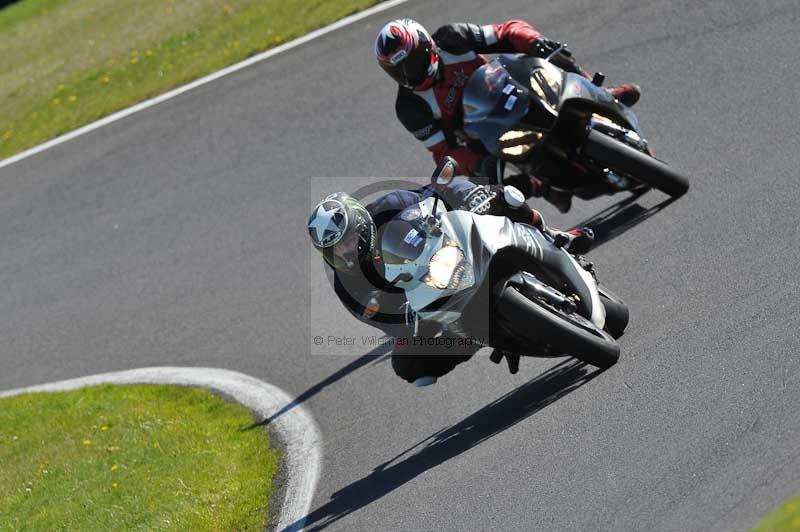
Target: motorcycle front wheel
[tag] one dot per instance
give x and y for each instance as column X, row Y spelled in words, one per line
column 620, row 157
column 536, row 322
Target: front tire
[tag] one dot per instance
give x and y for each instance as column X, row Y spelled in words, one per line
column 624, row 159
column 617, row 313
column 535, row 322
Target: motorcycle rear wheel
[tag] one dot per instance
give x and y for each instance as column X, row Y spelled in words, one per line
column 537, row 322
column 624, row 159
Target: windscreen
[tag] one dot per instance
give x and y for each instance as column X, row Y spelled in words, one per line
column 402, row 239
column 493, row 103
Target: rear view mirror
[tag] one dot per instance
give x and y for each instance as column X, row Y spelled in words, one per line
column 445, row 172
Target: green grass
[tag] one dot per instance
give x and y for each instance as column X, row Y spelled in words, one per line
column 785, row 518
column 132, row 458
column 65, row 63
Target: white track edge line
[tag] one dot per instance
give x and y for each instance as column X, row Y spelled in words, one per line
column 298, row 430
column 201, row 81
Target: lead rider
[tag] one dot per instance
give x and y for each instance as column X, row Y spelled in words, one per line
column 432, row 71
column 345, row 232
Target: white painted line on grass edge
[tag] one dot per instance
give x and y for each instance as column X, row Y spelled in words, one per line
column 201, row 81
column 297, row 429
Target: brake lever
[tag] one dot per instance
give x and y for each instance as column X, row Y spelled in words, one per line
column 559, row 49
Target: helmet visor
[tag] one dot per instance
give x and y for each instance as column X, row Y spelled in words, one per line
column 345, row 253
column 411, row 70
column 344, row 256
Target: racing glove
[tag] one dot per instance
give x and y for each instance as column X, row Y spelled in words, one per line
column 542, row 47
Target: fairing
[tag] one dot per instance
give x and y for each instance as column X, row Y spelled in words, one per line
column 536, row 105
column 481, row 237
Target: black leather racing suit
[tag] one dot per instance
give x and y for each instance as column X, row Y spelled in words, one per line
column 356, row 289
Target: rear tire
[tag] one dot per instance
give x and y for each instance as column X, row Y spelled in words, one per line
column 624, row 159
column 536, row 322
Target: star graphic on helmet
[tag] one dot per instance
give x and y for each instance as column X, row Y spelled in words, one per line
column 324, row 224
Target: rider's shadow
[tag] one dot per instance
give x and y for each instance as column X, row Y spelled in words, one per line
column 375, row 356
column 503, row 413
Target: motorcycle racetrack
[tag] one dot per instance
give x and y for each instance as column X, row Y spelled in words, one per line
column 176, row 236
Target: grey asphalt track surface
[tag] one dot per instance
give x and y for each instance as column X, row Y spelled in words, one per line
column 176, row 237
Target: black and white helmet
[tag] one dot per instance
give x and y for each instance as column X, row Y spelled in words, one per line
column 343, row 231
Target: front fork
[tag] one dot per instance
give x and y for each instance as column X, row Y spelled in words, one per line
column 622, row 134
column 530, row 286
column 612, row 129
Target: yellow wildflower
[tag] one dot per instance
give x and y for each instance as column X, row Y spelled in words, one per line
column 149, row 53
column 115, row 485
column 104, row 428
column 87, row 442
column 56, row 101
column 106, row 79
column 114, row 467
column 73, row 98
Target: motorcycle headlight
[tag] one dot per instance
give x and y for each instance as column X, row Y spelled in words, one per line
column 449, row 269
column 517, row 143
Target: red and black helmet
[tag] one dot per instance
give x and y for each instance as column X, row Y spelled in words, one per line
column 406, row 51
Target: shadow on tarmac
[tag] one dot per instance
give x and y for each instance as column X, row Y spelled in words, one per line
column 376, row 356
column 492, row 419
column 611, row 222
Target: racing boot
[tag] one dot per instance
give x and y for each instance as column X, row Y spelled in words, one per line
column 529, row 186
column 575, row 241
column 533, row 187
column 560, row 199
column 627, row 93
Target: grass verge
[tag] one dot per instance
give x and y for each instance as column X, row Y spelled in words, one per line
column 785, row 518
column 132, row 457
column 64, row 64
